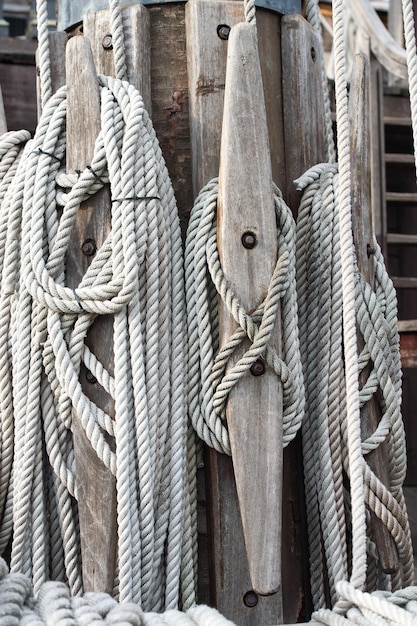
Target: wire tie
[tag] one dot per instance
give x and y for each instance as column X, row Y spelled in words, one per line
column 96, row 175
column 136, row 198
column 53, row 156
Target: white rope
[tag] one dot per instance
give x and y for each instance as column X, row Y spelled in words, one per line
column 54, row 606
column 209, row 385
column 137, row 276
column 339, row 483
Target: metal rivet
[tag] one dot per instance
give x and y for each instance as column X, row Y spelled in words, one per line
column 249, row 240
column 89, row 247
column 107, row 42
column 370, row 250
column 223, row 31
column 91, row 378
column 250, row 599
column 257, row 368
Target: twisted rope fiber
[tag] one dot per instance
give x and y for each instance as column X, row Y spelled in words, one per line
column 210, row 381
column 326, row 277
column 45, row 322
column 54, row 606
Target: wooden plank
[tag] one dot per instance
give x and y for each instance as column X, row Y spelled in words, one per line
column 363, row 238
column 136, row 22
column 304, row 124
column 95, row 484
column 231, row 588
column 397, row 196
column 208, row 23
column 405, row 326
column 246, row 209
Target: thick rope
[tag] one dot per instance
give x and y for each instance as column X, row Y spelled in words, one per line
column 135, row 275
column 54, row 606
column 209, row 384
column 334, row 303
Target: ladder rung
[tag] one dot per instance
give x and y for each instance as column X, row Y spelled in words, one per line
column 404, row 282
column 393, row 120
column 396, row 196
column 401, row 238
column 394, row 157
column 407, row 326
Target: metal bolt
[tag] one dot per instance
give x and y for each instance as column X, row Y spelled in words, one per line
column 89, row 247
column 223, row 31
column 257, row 368
column 370, row 250
column 250, row 599
column 107, row 42
column 249, row 240
column 91, row 379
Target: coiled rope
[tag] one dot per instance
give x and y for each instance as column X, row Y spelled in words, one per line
column 334, row 303
column 137, row 276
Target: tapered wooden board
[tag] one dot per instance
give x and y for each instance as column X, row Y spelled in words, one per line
column 245, row 204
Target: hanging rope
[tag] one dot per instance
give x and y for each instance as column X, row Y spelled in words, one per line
column 334, row 304
column 209, row 384
column 137, row 277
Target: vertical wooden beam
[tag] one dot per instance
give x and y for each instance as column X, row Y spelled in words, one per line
column 304, row 123
column 363, row 238
column 247, row 242
column 95, row 484
column 136, row 21
column 208, row 23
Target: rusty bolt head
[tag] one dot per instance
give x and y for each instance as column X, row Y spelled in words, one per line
column 250, row 599
column 89, row 247
column 223, row 31
column 257, row 368
column 107, row 42
column 249, row 240
column 90, row 377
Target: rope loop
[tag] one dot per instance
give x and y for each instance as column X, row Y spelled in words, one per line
column 210, row 378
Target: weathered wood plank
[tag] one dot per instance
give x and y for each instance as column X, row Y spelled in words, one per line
column 96, row 485
column 246, row 214
column 304, row 123
column 136, row 22
column 363, row 238
column 208, row 23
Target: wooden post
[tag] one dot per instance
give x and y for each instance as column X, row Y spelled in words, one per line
column 363, row 238
column 95, row 484
column 247, row 241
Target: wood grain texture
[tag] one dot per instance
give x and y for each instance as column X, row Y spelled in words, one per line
column 304, row 124
column 245, row 205
column 136, row 21
column 95, row 484
column 363, row 238
column 206, row 64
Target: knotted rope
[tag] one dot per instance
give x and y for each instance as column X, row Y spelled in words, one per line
column 209, row 382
